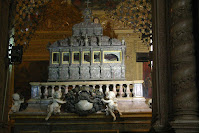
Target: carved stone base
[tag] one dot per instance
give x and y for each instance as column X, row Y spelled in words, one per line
column 161, row 129
column 185, row 126
column 70, row 122
column 35, row 105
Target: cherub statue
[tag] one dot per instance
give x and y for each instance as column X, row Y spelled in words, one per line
column 54, row 107
column 150, row 103
column 16, row 102
column 111, row 104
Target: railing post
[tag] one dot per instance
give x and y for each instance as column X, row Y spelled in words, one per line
column 138, row 90
column 128, row 90
column 40, row 94
column 59, row 88
column 46, row 92
column 114, row 89
column 53, row 90
column 73, row 86
column 100, row 88
column 66, row 89
column 121, row 91
column 107, row 89
column 35, row 93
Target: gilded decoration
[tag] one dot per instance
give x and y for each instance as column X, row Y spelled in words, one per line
column 54, row 15
column 59, row 16
column 26, row 18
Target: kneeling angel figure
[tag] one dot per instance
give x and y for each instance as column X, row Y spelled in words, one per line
column 111, row 104
column 16, row 103
column 54, row 107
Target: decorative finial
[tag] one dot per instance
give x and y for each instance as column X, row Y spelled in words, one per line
column 123, row 41
column 87, row 2
column 87, row 12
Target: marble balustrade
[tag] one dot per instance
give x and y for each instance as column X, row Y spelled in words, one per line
column 44, row 90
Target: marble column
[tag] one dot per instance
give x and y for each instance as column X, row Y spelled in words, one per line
column 183, row 67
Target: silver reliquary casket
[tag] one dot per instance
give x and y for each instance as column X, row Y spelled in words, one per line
column 87, row 55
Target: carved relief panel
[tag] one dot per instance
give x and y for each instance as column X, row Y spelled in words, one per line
column 106, row 72
column 53, row 73
column 84, row 72
column 74, row 72
column 63, row 72
column 116, row 72
column 95, row 72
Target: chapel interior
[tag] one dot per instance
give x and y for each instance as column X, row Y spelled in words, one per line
column 157, row 64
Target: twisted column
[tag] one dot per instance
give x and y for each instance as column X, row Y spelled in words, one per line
column 183, row 67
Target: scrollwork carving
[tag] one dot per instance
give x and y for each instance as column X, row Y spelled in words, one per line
column 83, row 100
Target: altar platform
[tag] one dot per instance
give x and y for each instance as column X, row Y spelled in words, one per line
column 135, row 118
column 129, row 122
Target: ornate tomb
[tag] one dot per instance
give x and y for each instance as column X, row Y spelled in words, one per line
column 87, row 58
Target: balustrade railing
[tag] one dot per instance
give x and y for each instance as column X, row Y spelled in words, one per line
column 44, row 90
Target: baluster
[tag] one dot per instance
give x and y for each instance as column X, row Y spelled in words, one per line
column 107, row 89
column 73, row 86
column 59, row 88
column 46, row 92
column 128, row 90
column 121, row 91
column 40, row 94
column 80, row 86
column 53, row 90
column 66, row 89
column 87, row 86
column 100, row 88
column 114, row 89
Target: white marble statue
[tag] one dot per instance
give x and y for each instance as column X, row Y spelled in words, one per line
column 55, row 106
column 111, row 104
column 16, row 103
